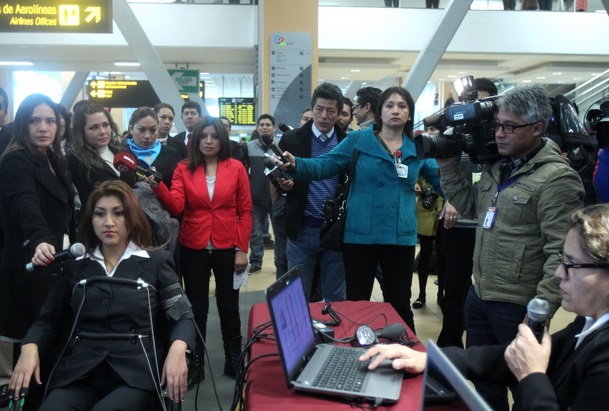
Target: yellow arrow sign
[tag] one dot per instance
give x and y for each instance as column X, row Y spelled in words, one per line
column 94, row 13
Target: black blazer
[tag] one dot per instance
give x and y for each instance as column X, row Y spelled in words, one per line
column 36, row 206
column 110, row 308
column 575, row 380
column 86, row 180
column 181, row 136
column 178, row 145
column 6, row 134
column 298, row 143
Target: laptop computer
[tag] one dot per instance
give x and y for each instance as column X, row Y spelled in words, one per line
column 438, row 361
column 303, row 361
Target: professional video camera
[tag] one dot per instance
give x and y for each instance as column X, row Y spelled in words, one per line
column 597, row 118
column 472, row 127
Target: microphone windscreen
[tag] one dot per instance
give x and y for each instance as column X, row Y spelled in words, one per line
column 77, row 250
column 267, row 139
column 125, row 162
column 393, row 331
column 538, row 309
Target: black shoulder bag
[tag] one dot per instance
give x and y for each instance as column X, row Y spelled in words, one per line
column 335, row 213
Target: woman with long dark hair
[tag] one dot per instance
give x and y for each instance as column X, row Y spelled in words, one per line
column 37, row 210
column 381, row 224
column 110, row 300
column 212, row 191
column 91, row 148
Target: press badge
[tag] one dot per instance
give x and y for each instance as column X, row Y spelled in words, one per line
column 489, row 218
column 402, row 169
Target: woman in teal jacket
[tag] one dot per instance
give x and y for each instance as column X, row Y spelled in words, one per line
column 381, row 226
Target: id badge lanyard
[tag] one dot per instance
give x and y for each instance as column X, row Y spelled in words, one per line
column 402, row 169
column 491, row 211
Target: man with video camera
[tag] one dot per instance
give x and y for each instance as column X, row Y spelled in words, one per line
column 522, row 203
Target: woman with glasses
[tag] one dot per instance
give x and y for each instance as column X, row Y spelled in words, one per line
column 568, row 370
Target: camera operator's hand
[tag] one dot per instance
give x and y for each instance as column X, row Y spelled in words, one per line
column 447, row 162
column 449, row 214
column 417, row 189
column 286, row 184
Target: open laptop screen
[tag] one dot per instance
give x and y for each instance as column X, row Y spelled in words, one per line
column 293, row 321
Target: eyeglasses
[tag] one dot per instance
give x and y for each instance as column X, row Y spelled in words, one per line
column 567, row 266
column 509, row 128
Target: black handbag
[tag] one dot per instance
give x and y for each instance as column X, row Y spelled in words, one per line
column 335, row 213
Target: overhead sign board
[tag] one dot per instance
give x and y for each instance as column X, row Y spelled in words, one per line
column 186, row 80
column 122, row 93
column 239, row 110
column 56, row 16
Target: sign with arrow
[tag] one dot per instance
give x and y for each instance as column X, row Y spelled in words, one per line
column 56, row 16
column 186, row 80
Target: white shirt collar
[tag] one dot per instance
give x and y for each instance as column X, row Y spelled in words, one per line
column 319, row 133
column 590, row 326
column 131, row 250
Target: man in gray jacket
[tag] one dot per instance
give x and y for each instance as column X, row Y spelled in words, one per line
column 522, row 204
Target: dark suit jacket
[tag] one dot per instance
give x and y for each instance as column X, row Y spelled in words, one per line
column 36, row 207
column 575, row 380
column 110, row 308
column 86, row 180
column 227, row 219
column 298, row 143
column 178, row 145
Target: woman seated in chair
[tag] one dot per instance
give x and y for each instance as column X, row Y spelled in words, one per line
column 110, row 302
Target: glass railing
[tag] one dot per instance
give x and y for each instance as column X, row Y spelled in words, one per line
column 555, row 5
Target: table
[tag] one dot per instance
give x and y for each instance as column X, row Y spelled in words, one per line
column 266, row 388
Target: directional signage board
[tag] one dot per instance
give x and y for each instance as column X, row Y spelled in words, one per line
column 56, row 16
column 239, row 110
column 186, row 80
column 122, row 93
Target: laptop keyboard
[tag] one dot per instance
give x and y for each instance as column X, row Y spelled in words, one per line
column 342, row 370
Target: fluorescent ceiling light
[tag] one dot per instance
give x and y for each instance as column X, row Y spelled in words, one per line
column 354, row 71
column 127, row 63
column 16, row 63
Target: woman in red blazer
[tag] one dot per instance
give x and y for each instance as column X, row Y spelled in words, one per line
column 212, row 191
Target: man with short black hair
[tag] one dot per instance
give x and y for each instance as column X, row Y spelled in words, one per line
column 304, row 203
column 366, row 102
column 166, row 114
column 346, row 114
column 260, row 188
column 191, row 113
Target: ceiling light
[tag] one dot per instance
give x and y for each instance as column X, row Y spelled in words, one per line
column 526, row 81
column 355, row 71
column 127, row 63
column 16, row 63
column 541, row 78
column 452, row 76
column 577, row 78
column 558, row 73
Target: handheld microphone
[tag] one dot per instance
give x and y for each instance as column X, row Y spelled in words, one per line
column 328, row 310
column 269, row 141
column 76, row 250
column 538, row 310
column 284, row 127
column 125, row 162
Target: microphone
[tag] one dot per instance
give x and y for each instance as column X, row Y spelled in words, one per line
column 269, row 141
column 76, row 250
column 284, row 127
column 125, row 162
column 392, row 332
column 538, row 310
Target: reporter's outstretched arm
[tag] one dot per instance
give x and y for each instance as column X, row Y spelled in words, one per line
column 403, row 358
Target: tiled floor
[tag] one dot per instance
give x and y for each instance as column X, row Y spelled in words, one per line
column 428, row 321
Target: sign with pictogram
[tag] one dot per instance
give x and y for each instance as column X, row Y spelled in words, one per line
column 56, row 16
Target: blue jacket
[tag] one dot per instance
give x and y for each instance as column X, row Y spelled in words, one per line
column 381, row 206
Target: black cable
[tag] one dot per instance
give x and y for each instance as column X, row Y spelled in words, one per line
column 364, row 323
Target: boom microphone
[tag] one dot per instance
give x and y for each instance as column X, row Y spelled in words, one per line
column 125, row 162
column 76, row 250
column 284, row 127
column 538, row 310
column 269, row 141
